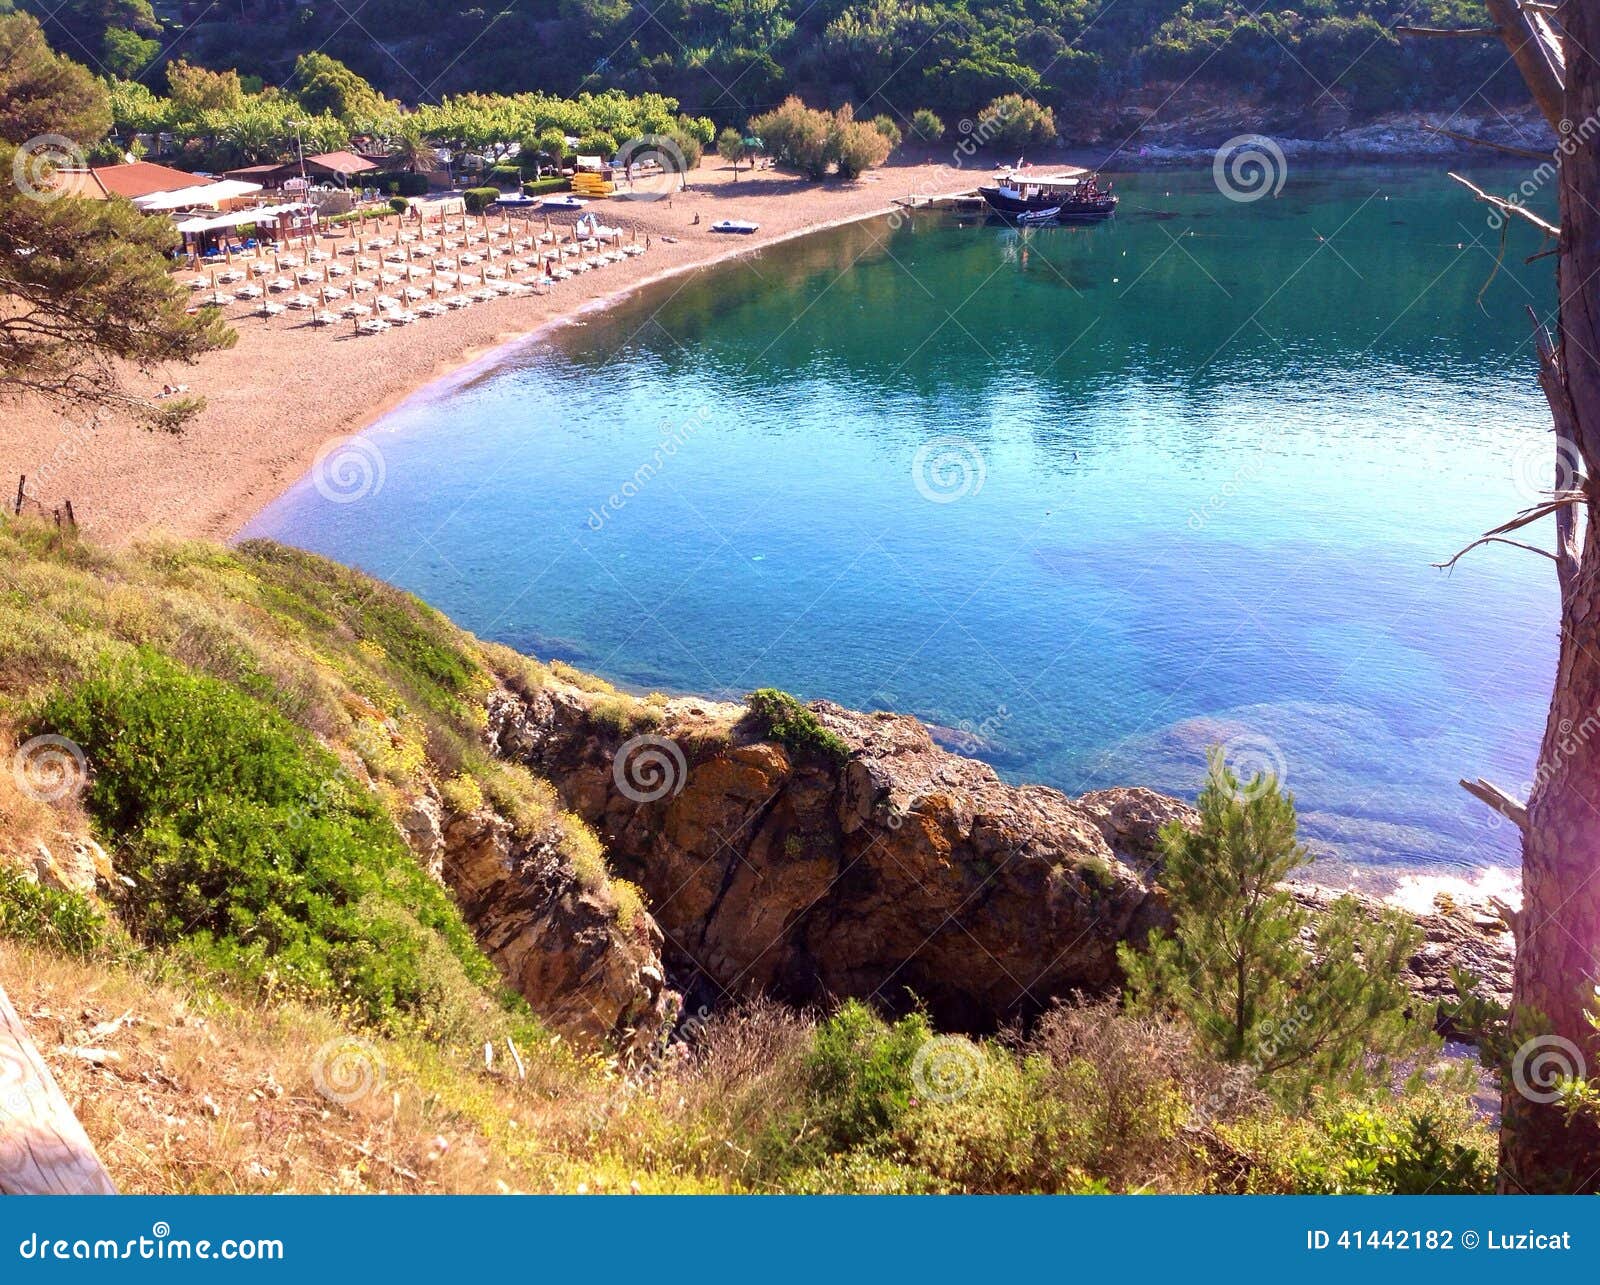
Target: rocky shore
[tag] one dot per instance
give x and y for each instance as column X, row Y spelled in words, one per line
column 900, row 872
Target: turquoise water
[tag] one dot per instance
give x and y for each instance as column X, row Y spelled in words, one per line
column 1089, row 499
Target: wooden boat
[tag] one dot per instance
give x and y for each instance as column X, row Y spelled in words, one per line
column 1072, row 192
column 1031, row 217
column 741, row 227
column 562, row 202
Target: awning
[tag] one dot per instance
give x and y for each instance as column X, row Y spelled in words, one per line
column 208, row 194
column 262, row 213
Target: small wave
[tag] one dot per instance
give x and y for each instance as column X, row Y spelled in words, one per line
column 1416, row 892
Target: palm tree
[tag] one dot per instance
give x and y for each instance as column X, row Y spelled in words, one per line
column 414, row 151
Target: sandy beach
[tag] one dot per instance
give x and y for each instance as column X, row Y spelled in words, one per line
column 287, row 386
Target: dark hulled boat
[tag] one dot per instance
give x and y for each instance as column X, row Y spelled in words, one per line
column 1073, row 193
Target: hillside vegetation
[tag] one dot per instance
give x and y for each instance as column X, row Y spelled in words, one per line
column 731, row 59
column 269, row 991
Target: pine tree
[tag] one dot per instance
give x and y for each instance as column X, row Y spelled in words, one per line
column 1301, row 998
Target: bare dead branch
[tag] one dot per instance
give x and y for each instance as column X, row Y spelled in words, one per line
column 1509, row 207
column 1450, row 33
column 1513, row 810
column 1450, row 563
column 1526, row 153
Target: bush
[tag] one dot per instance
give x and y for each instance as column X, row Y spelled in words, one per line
column 538, row 187
column 886, row 126
column 1012, row 121
column 926, row 126
column 505, row 177
column 42, row 916
column 856, row 146
column 399, row 204
column 479, row 199
column 783, row 718
column 797, row 135
column 252, row 846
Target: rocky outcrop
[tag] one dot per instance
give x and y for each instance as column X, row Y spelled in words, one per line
column 899, row 870
column 591, row 974
column 905, row 870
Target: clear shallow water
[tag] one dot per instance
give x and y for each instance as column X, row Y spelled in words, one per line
column 1189, row 470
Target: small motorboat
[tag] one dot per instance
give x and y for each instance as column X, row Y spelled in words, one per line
column 741, row 227
column 1029, row 218
column 562, row 202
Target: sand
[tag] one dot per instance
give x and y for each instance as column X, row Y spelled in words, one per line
column 288, row 387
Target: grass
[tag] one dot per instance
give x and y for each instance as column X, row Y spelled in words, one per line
column 255, row 719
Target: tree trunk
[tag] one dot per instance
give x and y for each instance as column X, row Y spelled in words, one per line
column 1558, row 939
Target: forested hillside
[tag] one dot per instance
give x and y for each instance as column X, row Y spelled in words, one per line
column 733, row 58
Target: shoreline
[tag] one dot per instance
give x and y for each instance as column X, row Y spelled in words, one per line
column 471, row 362
column 286, row 388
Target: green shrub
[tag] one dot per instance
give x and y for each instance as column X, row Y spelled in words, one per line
column 250, row 844
column 538, row 187
column 886, row 126
column 399, row 204
column 1012, row 121
column 792, row 725
column 926, row 126
column 859, row 1075
column 479, row 199
column 505, row 177
column 42, row 916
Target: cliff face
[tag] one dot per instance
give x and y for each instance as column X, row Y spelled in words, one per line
column 903, row 870
column 591, row 975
